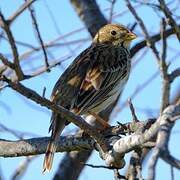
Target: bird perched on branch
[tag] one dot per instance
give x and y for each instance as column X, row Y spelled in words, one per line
column 93, row 81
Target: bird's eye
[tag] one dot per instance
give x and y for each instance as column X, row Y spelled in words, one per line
column 113, row 33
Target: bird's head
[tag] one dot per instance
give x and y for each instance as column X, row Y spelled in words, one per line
column 114, row 34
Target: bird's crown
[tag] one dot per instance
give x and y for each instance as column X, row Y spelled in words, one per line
column 114, row 34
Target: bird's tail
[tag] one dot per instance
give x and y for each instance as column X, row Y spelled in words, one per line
column 49, row 156
column 57, row 126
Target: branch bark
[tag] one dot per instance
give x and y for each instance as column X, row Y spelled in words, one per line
column 120, row 145
column 169, row 17
column 6, row 27
column 155, row 38
column 37, row 146
column 90, row 14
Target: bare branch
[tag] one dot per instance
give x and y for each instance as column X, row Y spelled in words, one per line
column 172, row 172
column 19, row 172
column 35, row 24
column 6, row 62
column 163, row 70
column 111, row 10
column 121, row 146
column 74, row 160
column 20, row 10
column 79, row 142
column 169, row 17
column 90, row 14
column 124, row 145
column 155, row 38
column 167, row 157
column 17, row 66
column 99, row 166
column 162, row 140
column 144, row 30
column 174, row 74
column 134, row 169
column 152, row 164
column 132, row 110
column 36, row 146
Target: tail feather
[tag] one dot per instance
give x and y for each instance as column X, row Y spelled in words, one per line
column 49, row 156
column 57, row 126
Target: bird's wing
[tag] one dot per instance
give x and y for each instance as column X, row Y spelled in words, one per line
column 68, row 85
column 107, row 67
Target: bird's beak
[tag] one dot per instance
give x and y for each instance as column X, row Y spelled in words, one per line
column 131, row 36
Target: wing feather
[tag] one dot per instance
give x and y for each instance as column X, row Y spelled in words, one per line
column 101, row 78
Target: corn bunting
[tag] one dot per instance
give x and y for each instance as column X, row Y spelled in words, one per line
column 93, row 81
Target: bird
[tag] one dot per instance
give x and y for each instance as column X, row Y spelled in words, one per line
column 93, row 81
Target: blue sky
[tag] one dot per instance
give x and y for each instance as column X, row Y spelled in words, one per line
column 24, row 115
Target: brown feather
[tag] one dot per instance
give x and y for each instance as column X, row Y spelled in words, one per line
column 49, row 156
column 56, row 128
column 93, row 79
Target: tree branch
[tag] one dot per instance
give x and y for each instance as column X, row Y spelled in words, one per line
column 143, row 28
column 35, row 24
column 6, row 62
column 162, row 138
column 155, row 38
column 69, row 116
column 120, row 145
column 90, row 14
column 37, row 146
column 17, row 67
column 19, row 11
column 174, row 74
column 166, row 86
column 77, row 142
column 167, row 157
column 169, row 17
column 124, row 145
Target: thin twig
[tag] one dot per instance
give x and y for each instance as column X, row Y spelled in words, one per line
column 174, row 74
column 169, row 17
column 12, row 43
column 44, row 92
column 24, row 44
column 32, row 12
column 21, row 169
column 99, row 166
column 172, row 172
column 155, row 38
column 68, row 45
column 6, row 62
column 168, row 158
column 163, row 70
column 111, row 10
column 21, row 9
column 144, row 30
column 117, row 176
column 132, row 110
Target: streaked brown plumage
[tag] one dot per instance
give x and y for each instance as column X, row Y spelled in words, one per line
column 93, row 81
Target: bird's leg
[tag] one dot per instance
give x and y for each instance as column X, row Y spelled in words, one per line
column 104, row 124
